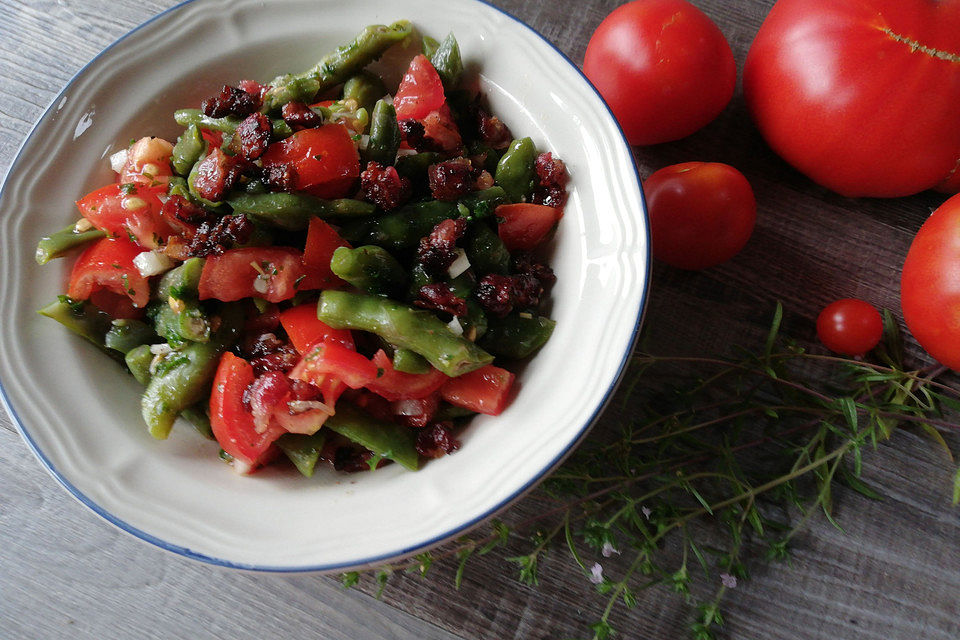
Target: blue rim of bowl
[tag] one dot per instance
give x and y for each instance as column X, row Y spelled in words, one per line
column 399, row 553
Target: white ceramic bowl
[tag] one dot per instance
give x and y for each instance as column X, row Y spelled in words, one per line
column 79, row 412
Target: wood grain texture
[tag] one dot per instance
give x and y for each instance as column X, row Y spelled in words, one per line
column 894, row 574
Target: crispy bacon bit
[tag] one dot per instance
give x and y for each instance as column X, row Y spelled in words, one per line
column 441, row 134
column 255, row 89
column 524, row 263
column 437, row 251
column 450, row 179
column 215, row 238
column 176, row 207
column 552, row 178
column 483, row 181
column 437, row 441
column 412, row 132
column 493, row 132
column 439, row 296
column 279, row 177
column 252, row 136
column 217, row 174
column 231, row 101
column 495, row 294
column 300, row 116
column 416, row 413
column 383, row 186
column 350, row 459
column 266, row 352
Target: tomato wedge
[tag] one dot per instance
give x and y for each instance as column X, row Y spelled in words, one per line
column 232, row 424
column 325, row 160
column 128, row 210
column 305, row 330
column 270, row 273
column 486, row 390
column 333, row 358
column 322, row 241
column 148, row 162
column 524, row 225
column 108, row 265
column 420, row 97
column 397, row 385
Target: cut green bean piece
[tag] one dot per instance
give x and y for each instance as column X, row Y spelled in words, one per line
column 403, row 326
column 516, row 171
column 183, row 377
column 399, row 229
column 190, row 146
column 59, row 243
column 475, row 323
column 182, row 282
column 429, row 45
column 138, row 362
column 415, row 166
column 292, row 211
column 384, row 134
column 409, row 361
column 126, row 334
column 482, row 204
column 370, row 268
column 385, row 439
column 178, row 315
column 83, row 319
column 336, row 67
column 446, row 60
column 517, row 336
column 365, row 88
column 226, row 124
column 302, row 450
column 486, row 251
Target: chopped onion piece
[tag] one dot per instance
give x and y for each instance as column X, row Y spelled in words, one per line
column 299, row 406
column 161, row 349
column 241, row 467
column 406, row 152
column 455, row 326
column 152, row 263
column 118, row 159
column 364, row 141
column 82, row 225
column 461, row 264
column 261, row 283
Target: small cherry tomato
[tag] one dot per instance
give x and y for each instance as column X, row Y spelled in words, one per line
column 664, row 68
column 850, row 326
column 701, row 213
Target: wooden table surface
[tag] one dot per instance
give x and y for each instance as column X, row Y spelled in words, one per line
column 893, row 574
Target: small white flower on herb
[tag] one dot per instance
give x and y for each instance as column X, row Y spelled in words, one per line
column 608, row 550
column 646, row 512
column 729, row 581
column 596, row 573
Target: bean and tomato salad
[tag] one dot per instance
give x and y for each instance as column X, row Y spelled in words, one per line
column 318, row 270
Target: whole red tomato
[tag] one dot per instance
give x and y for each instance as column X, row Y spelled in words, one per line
column 863, row 97
column 664, row 68
column 930, row 285
column 850, row 326
column 701, row 213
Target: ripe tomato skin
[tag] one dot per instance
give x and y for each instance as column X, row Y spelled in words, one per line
column 523, row 225
column 325, row 159
column 663, row 67
column 486, row 390
column 839, row 90
column 420, row 92
column 930, row 285
column 701, row 213
column 232, row 276
column 108, row 264
column 850, row 326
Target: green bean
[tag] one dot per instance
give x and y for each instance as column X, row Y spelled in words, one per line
column 181, row 283
column 385, row 439
column 399, row 229
column 486, row 251
column 126, row 334
column 292, row 211
column 336, row 67
column 302, row 450
column 226, row 124
column 446, row 60
column 190, row 146
column 370, row 268
column 516, row 170
column 517, row 336
column 59, row 243
column 429, row 46
column 178, row 314
column 139, row 360
column 482, row 204
column 365, row 88
column 183, row 377
column 409, row 361
column 384, row 135
column 415, row 166
column 403, row 326
column 474, row 324
column 83, row 319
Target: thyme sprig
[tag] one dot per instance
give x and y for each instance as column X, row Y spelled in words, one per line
column 709, row 460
